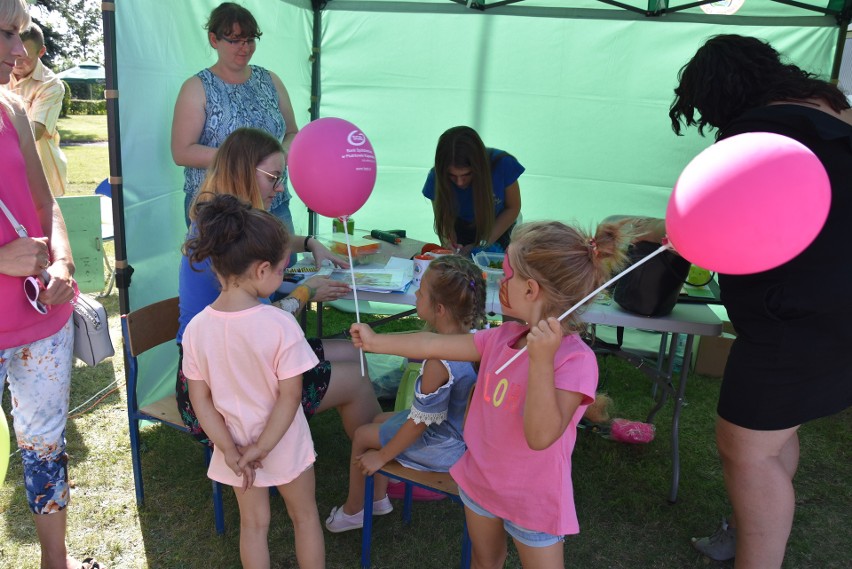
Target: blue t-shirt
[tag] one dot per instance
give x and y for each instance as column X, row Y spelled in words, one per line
column 504, row 173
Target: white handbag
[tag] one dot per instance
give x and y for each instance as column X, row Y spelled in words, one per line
column 92, row 343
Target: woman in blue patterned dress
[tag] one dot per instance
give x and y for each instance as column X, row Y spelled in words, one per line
column 228, row 95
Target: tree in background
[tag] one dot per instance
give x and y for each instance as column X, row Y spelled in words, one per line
column 83, row 40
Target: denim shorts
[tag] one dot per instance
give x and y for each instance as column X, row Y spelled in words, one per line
column 528, row 537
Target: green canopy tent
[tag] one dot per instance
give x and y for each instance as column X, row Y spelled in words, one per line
column 578, row 90
column 87, row 73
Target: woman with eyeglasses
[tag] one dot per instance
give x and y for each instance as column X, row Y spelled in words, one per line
column 36, row 334
column 474, row 191
column 249, row 165
column 226, row 96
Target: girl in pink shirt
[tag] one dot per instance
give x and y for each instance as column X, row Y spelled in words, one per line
column 515, row 476
column 244, row 361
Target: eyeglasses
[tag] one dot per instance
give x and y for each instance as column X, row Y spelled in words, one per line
column 240, row 42
column 279, row 180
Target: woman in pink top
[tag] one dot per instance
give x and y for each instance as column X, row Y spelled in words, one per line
column 515, row 476
column 244, row 361
column 35, row 333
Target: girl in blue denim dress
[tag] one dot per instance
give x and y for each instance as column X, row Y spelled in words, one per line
column 451, row 300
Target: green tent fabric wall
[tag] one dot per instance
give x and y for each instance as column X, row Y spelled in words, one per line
column 578, row 91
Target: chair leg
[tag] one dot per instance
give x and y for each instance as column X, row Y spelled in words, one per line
column 407, row 503
column 136, row 460
column 367, row 530
column 111, row 279
column 218, row 508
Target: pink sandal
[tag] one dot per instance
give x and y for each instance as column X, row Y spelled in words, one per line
column 396, row 490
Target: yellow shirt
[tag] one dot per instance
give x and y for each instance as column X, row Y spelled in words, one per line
column 42, row 92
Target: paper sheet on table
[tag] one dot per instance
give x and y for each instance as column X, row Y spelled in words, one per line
column 394, row 277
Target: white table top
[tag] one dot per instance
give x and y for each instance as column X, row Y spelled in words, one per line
column 695, row 319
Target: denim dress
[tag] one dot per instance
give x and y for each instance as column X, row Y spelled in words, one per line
column 441, row 444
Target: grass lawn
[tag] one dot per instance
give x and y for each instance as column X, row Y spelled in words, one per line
column 626, row 521
column 82, row 128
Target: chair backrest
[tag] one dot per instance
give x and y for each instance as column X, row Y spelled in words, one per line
column 152, row 325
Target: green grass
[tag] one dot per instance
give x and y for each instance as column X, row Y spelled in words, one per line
column 621, row 490
column 82, row 128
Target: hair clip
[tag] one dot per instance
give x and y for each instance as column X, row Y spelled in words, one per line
column 472, row 284
column 593, row 245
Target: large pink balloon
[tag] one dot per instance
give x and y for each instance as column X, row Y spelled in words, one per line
column 748, row 203
column 332, row 167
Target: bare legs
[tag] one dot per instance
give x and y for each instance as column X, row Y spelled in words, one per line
column 488, row 551
column 759, row 467
column 350, row 393
column 366, row 438
column 488, row 541
column 300, row 499
column 51, row 535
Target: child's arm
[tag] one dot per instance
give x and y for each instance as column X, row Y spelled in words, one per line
column 422, row 345
column 214, row 425
column 547, row 410
column 280, row 419
column 434, row 376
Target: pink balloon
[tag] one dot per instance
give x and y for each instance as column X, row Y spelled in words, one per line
column 748, row 203
column 332, row 167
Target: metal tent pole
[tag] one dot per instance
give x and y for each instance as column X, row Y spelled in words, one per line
column 122, row 269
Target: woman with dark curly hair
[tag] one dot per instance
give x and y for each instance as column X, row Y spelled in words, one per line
column 786, row 365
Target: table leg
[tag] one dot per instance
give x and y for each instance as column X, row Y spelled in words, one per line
column 678, row 405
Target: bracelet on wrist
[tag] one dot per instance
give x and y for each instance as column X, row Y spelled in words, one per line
column 305, row 245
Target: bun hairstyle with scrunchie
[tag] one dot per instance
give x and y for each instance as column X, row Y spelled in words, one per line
column 566, row 262
column 457, row 284
column 234, row 235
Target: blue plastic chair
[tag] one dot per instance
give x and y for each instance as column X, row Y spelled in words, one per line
column 440, row 482
column 143, row 330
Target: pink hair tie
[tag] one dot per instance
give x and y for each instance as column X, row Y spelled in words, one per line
column 625, row 431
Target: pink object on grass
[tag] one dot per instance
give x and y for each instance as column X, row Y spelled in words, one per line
column 625, row 431
column 396, row 490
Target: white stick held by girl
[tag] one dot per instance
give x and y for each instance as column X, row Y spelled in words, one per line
column 451, row 300
column 244, row 361
column 515, row 476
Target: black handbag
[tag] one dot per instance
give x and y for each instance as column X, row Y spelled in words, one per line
column 651, row 289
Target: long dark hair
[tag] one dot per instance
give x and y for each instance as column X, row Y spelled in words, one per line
column 731, row 74
column 461, row 147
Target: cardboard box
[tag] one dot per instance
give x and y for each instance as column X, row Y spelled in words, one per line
column 713, row 353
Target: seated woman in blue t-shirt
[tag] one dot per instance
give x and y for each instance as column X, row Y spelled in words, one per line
column 476, row 197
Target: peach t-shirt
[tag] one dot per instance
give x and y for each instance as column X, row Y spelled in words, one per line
column 243, row 356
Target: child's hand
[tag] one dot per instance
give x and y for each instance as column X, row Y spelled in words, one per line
column 362, row 335
column 251, row 457
column 370, row 462
column 543, row 339
column 232, row 459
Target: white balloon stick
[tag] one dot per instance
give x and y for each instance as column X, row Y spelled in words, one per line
column 345, row 219
column 664, row 247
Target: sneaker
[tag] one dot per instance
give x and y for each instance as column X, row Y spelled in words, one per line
column 338, row 521
column 721, row 546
